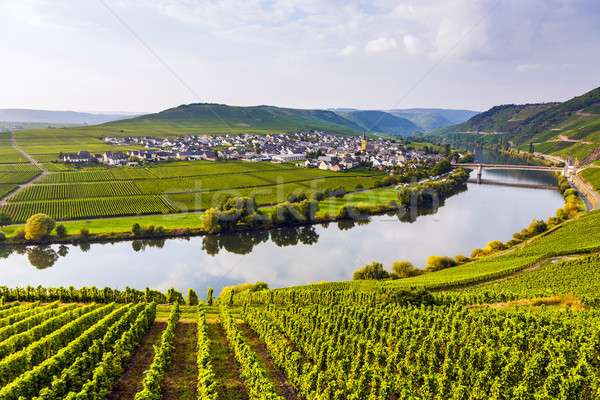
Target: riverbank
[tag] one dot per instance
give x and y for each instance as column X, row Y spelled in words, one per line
column 407, row 202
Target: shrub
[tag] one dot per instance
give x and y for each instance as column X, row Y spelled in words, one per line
column 372, row 271
column 19, row 235
column 436, row 263
column 38, row 226
column 461, row 259
column 405, row 269
column 61, row 231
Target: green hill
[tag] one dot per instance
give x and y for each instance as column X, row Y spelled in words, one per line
column 223, row 119
column 433, row 118
column 382, row 122
column 571, row 128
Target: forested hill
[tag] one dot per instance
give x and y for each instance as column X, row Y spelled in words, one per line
column 569, row 128
column 382, row 122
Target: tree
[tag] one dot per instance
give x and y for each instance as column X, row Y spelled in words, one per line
column 209, row 296
column 371, row 271
column 192, row 299
column 404, row 269
column 531, row 148
column 61, row 231
column 436, row 263
column 258, row 286
column 38, row 226
column 441, row 168
column 5, row 219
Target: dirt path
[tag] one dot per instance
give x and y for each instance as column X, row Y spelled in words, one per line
column 22, row 186
column 283, row 386
column 131, row 381
column 230, row 384
column 182, row 375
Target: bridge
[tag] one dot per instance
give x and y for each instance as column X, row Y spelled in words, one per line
column 567, row 170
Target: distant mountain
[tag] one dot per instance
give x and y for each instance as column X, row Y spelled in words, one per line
column 382, row 122
column 56, row 117
column 222, row 119
column 433, row 118
column 571, row 128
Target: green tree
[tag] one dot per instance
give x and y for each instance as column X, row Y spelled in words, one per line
column 209, row 296
column 5, row 220
column 371, row 271
column 192, row 299
column 441, row 168
column 38, row 226
column 531, row 148
column 258, row 286
column 404, row 269
column 61, row 231
column 136, row 229
column 436, row 263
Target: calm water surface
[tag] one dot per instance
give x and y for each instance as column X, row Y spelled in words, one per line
column 296, row 256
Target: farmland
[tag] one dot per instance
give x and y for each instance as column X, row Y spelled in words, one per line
column 286, row 344
column 98, row 192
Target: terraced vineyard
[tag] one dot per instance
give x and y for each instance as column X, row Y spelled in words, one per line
column 166, row 188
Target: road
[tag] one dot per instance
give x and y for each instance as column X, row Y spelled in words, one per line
column 590, row 197
column 32, row 180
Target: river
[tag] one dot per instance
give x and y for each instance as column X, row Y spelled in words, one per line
column 294, row 256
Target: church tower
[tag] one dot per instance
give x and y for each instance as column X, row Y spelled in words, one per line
column 364, row 142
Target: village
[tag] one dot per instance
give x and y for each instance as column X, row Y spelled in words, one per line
column 309, row 149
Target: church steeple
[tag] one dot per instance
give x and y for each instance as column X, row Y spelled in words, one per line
column 363, row 145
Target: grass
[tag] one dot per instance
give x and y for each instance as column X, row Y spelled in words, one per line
column 563, row 241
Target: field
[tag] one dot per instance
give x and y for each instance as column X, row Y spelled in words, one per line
column 98, row 192
column 293, row 343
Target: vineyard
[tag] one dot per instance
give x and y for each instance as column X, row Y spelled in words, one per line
column 294, row 343
column 95, row 192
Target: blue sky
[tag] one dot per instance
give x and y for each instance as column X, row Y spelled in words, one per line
column 379, row 54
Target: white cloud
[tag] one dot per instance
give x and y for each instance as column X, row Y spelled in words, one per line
column 380, row 45
column 349, row 50
column 413, row 44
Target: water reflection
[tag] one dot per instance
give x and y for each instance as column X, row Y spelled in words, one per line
column 43, row 257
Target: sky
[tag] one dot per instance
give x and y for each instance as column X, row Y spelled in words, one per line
column 150, row 55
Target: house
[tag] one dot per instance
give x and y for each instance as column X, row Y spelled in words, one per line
column 209, row 155
column 115, row 158
column 79, row 158
column 183, row 155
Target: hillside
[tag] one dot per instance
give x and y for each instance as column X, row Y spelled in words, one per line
column 382, row 122
column 571, row 128
column 57, row 117
column 433, row 118
column 223, row 119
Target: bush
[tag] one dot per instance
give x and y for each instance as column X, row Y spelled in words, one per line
column 2, row 237
column 192, row 299
column 19, row 235
column 61, row 231
column 436, row 263
column 84, row 234
column 38, row 226
column 405, row 269
column 461, row 259
column 136, row 229
column 372, row 271
column 494, row 246
column 258, row 286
